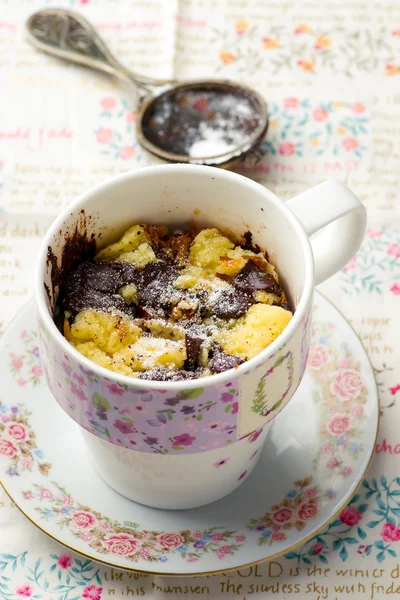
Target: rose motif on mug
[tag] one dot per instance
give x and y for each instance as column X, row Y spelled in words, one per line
column 347, row 385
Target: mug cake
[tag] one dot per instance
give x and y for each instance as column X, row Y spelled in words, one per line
column 172, row 305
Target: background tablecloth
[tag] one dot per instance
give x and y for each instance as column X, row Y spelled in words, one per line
column 331, row 74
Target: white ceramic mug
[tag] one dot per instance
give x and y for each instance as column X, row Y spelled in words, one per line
column 184, row 444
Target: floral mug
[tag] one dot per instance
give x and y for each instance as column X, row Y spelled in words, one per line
column 187, row 443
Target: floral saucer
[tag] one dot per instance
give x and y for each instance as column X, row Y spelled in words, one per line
column 315, row 456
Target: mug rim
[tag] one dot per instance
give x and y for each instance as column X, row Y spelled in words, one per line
column 209, row 380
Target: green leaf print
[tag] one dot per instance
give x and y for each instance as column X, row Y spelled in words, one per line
column 100, row 401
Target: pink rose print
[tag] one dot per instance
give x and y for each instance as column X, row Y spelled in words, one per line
column 104, row 135
column 347, row 385
column 28, row 495
column 291, row 102
column 127, row 152
column 395, row 289
column 16, row 361
column 350, row 144
column 108, row 102
column 105, row 526
column 184, row 439
column 217, row 536
column 350, row 516
column 311, row 493
column 320, row 114
column 344, row 363
column 17, row 431
column 278, row 536
column 287, row 149
column 332, row 463
column 84, row 520
column 86, row 537
column 358, row 107
column 25, row 591
column 26, row 463
column 197, row 535
column 240, row 538
column 283, row 515
column 346, row 471
column 170, row 540
column 357, row 410
column 225, row 550
column 8, row 448
column 144, row 552
column 123, row 427
column 326, row 448
column 115, row 389
column 67, row 501
column 317, row 356
column 317, row 548
column 46, row 493
column 80, row 394
column 373, row 233
column 122, row 544
column 350, row 265
column 65, row 561
column 338, row 424
column 130, row 117
column 92, row 592
column 390, row 533
column 21, row 382
column 394, row 250
column 37, row 371
column 307, row 511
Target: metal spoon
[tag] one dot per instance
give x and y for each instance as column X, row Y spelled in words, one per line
column 211, row 122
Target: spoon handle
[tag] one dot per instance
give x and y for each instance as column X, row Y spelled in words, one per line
column 69, row 36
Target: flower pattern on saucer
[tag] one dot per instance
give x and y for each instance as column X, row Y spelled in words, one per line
column 127, row 539
column 342, row 399
column 25, row 365
column 301, row 505
column 18, row 441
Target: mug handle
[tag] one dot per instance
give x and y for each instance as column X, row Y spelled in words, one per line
column 332, row 205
